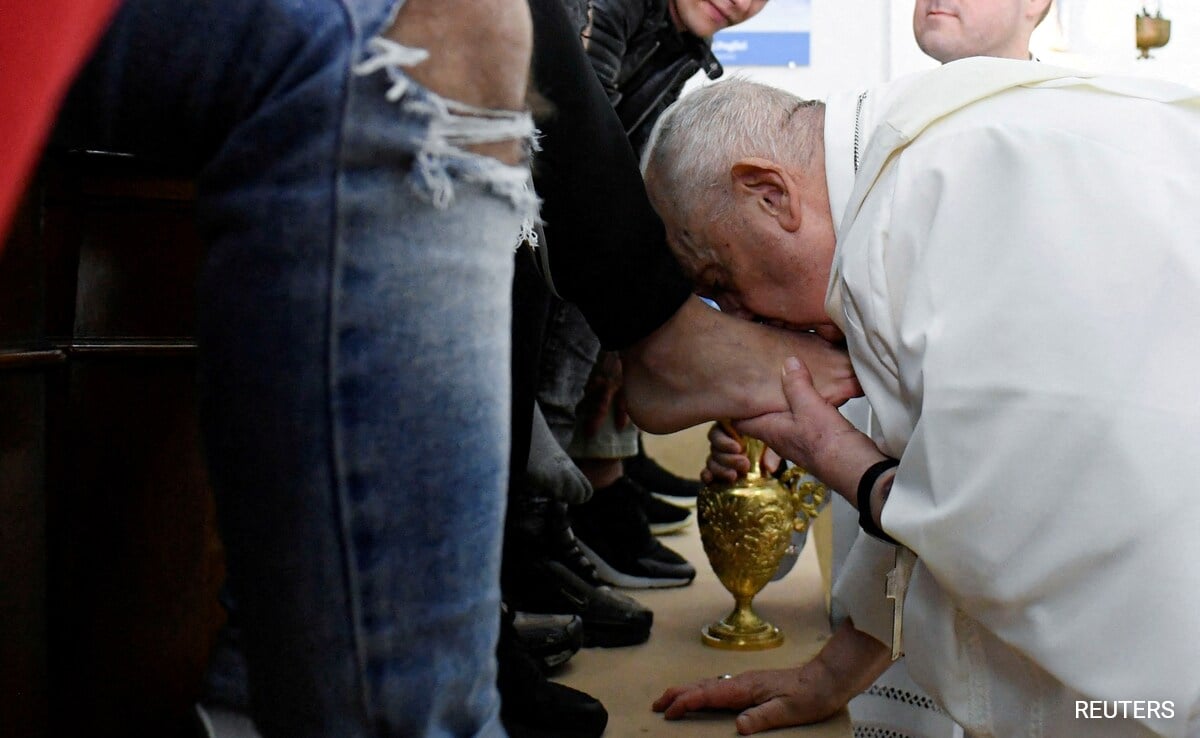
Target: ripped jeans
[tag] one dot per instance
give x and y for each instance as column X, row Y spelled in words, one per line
column 354, row 331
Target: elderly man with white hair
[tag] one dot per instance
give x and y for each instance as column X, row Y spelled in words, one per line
column 1012, row 254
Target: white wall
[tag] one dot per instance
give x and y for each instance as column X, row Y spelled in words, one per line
column 1100, row 37
column 848, row 49
column 857, row 43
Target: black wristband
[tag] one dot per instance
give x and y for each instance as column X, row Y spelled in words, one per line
column 865, row 485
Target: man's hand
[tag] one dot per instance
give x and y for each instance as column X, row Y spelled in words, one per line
column 703, row 365
column 813, row 434
column 847, row 664
column 774, row 698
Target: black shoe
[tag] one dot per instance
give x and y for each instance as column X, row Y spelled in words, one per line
column 664, row 517
column 661, row 483
column 533, row 707
column 613, row 531
column 538, row 527
column 610, row 618
column 544, row 571
column 549, row 638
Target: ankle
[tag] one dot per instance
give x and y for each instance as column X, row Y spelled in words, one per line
column 601, row 472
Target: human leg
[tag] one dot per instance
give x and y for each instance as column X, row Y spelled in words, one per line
column 614, row 527
column 407, row 372
column 544, row 570
column 354, row 339
column 569, row 351
column 618, row 525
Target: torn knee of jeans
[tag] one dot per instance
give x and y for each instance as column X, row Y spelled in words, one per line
column 444, row 156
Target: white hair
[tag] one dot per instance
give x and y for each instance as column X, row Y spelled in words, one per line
column 701, row 136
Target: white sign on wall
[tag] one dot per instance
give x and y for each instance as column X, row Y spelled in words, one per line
column 778, row 36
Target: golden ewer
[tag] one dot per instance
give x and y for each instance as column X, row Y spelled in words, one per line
column 1151, row 32
column 746, row 528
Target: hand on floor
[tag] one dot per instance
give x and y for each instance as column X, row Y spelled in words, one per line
column 768, row 699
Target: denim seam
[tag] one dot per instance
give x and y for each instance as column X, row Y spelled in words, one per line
column 339, row 483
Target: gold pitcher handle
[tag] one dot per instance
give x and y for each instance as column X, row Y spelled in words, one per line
column 808, row 497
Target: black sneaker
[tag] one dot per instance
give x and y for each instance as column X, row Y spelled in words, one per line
column 533, row 707
column 661, row 483
column 610, row 618
column 549, row 638
column 613, row 531
column 664, row 517
column 544, row 571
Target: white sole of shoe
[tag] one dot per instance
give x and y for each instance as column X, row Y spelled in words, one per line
column 621, row 579
column 221, row 722
column 662, row 529
column 680, row 501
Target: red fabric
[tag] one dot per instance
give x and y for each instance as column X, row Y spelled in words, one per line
column 42, row 45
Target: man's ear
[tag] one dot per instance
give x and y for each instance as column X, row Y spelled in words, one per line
column 771, row 188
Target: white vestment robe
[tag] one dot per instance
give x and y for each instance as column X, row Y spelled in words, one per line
column 1018, row 277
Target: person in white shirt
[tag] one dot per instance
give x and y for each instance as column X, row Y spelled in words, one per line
column 1016, row 260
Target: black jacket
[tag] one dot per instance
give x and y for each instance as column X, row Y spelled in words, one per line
column 642, row 60
column 586, row 159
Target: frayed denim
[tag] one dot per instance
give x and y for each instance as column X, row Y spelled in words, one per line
column 354, row 330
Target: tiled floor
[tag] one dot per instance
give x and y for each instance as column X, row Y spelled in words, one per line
column 627, row 680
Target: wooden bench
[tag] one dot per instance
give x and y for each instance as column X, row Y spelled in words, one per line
column 109, row 559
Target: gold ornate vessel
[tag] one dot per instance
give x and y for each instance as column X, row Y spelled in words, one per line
column 746, row 528
column 1152, row 32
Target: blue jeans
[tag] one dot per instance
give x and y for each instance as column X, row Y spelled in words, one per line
column 354, row 330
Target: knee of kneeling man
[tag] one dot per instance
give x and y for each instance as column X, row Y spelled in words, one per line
column 479, row 54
